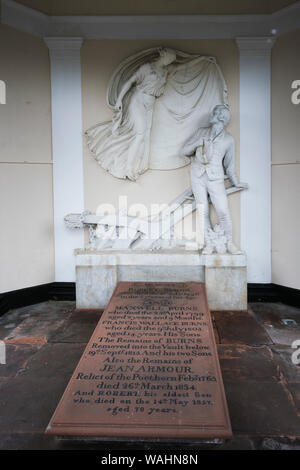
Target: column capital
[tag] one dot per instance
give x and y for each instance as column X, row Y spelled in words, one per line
column 255, row 46
column 64, row 47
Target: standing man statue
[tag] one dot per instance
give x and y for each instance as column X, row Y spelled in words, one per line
column 212, row 150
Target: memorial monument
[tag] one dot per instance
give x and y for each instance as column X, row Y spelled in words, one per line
column 151, row 370
column 170, row 109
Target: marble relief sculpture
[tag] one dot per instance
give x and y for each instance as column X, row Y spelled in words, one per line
column 212, row 151
column 159, row 97
column 169, row 110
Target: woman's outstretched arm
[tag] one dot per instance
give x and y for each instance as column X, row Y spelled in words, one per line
column 126, row 87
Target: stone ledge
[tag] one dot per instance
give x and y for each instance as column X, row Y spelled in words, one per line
column 98, row 273
column 157, row 258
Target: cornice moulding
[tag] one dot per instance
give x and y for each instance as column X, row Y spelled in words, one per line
column 258, row 46
column 150, row 27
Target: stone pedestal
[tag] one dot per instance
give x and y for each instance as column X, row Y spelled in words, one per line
column 226, row 281
column 98, row 273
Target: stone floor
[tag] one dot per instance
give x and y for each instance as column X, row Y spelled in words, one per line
column 45, row 342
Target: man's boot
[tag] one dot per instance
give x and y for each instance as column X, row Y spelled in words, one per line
column 208, row 249
column 232, row 249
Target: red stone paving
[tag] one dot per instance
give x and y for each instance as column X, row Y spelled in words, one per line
column 17, row 357
column 249, row 363
column 261, row 383
column 270, row 317
column 240, row 328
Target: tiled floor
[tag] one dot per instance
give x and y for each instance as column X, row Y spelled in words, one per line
column 45, row 342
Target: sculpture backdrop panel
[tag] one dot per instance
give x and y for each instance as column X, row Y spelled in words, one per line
column 159, row 97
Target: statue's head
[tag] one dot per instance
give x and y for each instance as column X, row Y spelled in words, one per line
column 220, row 113
column 166, row 56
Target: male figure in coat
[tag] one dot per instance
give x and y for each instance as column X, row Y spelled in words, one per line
column 212, row 151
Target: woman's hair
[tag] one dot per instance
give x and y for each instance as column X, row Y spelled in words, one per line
column 166, row 52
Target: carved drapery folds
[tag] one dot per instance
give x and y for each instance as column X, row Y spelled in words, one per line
column 159, row 98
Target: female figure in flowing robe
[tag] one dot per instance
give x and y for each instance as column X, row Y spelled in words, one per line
column 122, row 146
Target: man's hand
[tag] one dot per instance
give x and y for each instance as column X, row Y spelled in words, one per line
column 242, row 185
column 189, row 150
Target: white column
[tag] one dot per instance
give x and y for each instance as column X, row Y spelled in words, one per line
column 255, row 154
column 67, row 150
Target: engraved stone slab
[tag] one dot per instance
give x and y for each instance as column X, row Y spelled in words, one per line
column 149, row 370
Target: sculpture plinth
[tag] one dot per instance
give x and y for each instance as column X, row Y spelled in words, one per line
column 98, row 273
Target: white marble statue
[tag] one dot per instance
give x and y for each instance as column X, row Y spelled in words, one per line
column 212, row 151
column 159, row 98
column 120, row 231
